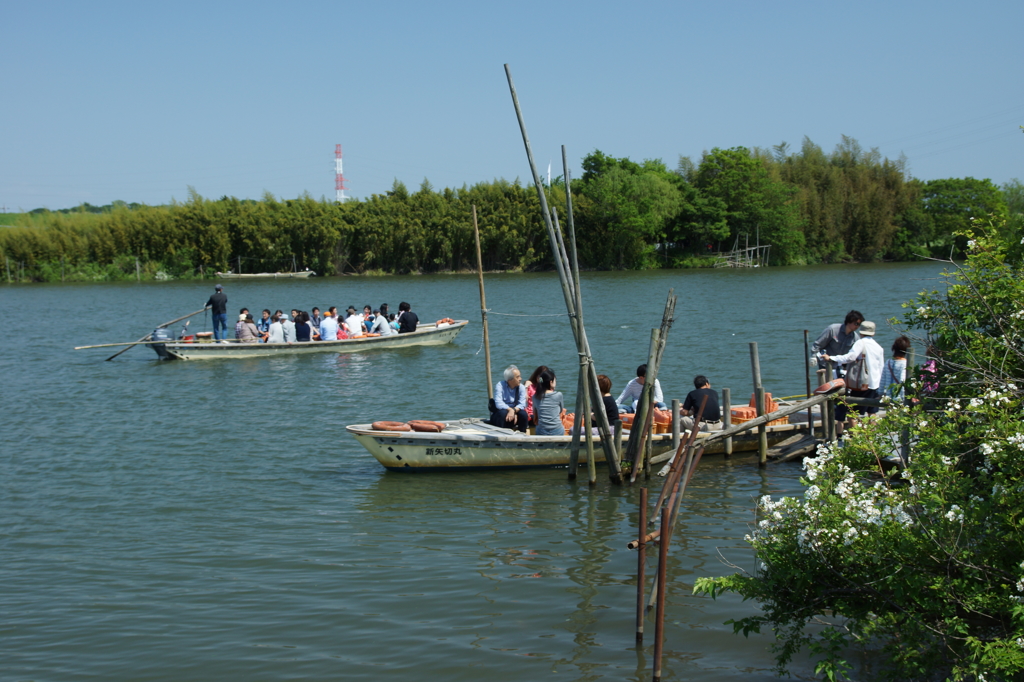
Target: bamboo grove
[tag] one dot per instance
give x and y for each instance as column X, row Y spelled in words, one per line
column 811, row 206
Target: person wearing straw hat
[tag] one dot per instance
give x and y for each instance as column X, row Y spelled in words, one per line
column 862, row 381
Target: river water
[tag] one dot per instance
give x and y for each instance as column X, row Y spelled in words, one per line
column 213, row 521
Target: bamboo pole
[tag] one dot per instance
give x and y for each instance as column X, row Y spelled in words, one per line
column 830, row 372
column 727, row 419
column 483, row 305
column 7, row 259
column 823, row 409
column 659, row 620
column 641, row 565
column 138, row 273
column 676, row 426
column 147, row 336
column 807, row 377
column 574, row 446
column 762, row 430
column 582, row 344
column 638, row 434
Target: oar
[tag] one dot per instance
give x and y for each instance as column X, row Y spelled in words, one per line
column 147, row 336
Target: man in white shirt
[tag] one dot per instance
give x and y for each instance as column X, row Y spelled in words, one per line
column 871, row 358
column 276, row 332
column 354, row 323
column 631, row 394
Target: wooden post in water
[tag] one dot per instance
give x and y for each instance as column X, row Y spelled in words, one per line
column 727, row 419
column 138, row 274
column 239, row 265
column 762, row 430
column 8, row 260
column 641, row 565
column 483, row 306
column 574, row 445
column 807, row 377
column 823, row 408
column 831, row 432
column 659, row 619
column 676, row 424
column 582, row 344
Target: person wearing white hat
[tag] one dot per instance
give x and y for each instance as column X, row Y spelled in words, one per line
column 288, row 327
column 867, row 357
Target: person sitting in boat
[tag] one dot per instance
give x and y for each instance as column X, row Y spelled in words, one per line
column 548, row 405
column 711, row 418
column 393, row 321
column 248, row 333
column 264, row 322
column 508, row 409
column 531, row 390
column 354, row 323
column 611, row 408
column 276, row 332
column 631, row 394
column 367, row 318
column 288, row 327
column 407, row 319
column 329, row 327
column 303, row 332
column 381, row 325
column 242, row 314
column 314, row 318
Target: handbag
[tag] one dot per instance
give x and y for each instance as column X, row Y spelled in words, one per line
column 856, row 377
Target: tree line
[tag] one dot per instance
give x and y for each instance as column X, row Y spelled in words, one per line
column 811, row 206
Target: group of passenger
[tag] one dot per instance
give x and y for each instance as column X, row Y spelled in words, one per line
column 860, row 360
column 536, row 402
column 301, row 327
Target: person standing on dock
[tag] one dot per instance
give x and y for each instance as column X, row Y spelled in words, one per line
column 837, row 339
column 870, row 375
column 508, row 408
column 711, row 419
column 218, row 304
column 627, row 401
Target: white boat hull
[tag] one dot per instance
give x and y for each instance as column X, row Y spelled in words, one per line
column 469, row 444
column 425, row 335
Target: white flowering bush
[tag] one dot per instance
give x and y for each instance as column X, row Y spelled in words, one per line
column 922, row 565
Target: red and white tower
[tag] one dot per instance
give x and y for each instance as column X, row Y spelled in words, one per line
column 339, row 177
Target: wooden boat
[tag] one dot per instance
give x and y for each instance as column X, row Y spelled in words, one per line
column 472, row 444
column 265, row 275
column 425, row 335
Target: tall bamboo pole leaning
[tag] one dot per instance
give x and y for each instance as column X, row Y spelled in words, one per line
column 582, row 345
column 581, row 384
column 637, row 434
column 483, row 305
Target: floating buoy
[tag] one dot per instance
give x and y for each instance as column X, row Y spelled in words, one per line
column 830, row 386
column 390, row 426
column 425, row 426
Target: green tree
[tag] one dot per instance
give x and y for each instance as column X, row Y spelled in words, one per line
column 925, row 564
column 953, row 203
column 756, row 205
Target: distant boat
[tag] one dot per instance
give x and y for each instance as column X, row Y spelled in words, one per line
column 425, row 335
column 267, row 275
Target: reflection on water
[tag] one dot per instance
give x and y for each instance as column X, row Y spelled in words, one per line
column 213, row 520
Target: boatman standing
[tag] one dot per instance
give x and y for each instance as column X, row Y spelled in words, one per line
column 219, row 304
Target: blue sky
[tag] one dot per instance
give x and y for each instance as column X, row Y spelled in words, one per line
column 140, row 101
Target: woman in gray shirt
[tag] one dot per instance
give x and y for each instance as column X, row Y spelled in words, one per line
column 548, row 405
